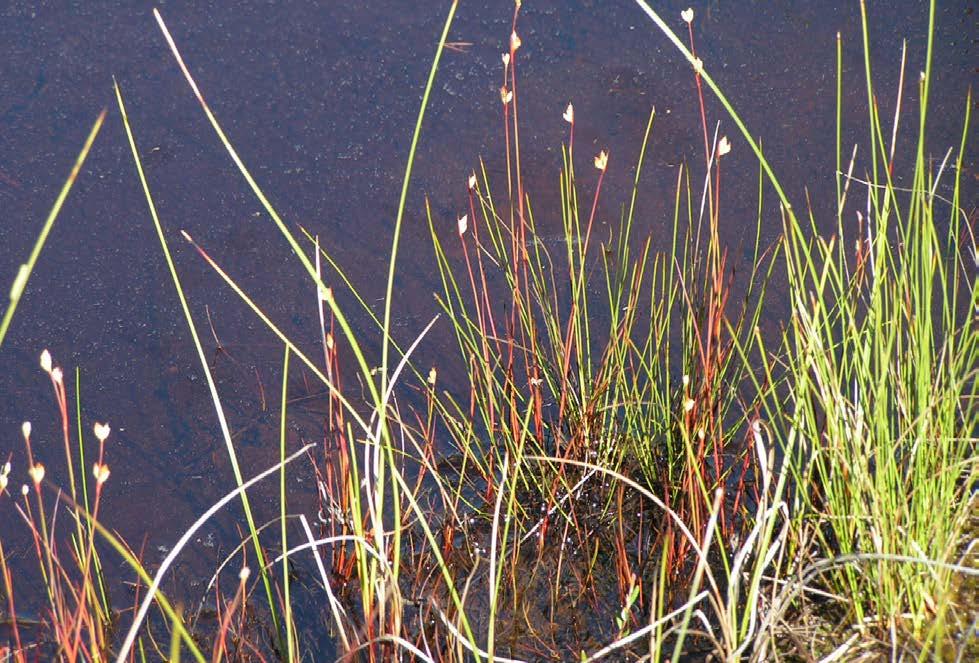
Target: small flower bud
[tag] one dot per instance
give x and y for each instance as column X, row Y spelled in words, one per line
column 102, row 431
column 687, row 14
column 432, row 375
column 37, row 474
column 724, row 146
column 25, row 429
column 472, row 181
column 463, row 224
column 101, row 473
column 569, row 114
column 601, row 161
column 46, row 361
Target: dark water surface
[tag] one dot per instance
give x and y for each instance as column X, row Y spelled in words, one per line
column 320, row 100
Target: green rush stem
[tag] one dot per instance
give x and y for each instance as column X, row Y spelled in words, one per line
column 225, row 431
column 24, row 273
column 290, row 640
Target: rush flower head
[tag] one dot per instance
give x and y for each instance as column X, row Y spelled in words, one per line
column 569, row 114
column 46, row 361
column 724, row 146
column 688, row 404
column 463, row 223
column 505, row 95
column 102, row 431
column 101, row 473
column 514, row 41
column 244, row 573
column 25, row 428
column 3, row 482
column 57, row 375
column 472, row 181
column 601, row 161
column 506, row 60
column 698, row 66
column 37, row 474
column 432, row 375
column 687, row 14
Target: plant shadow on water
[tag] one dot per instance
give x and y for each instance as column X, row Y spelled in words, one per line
column 609, row 467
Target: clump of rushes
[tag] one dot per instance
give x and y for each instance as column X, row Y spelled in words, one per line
column 882, row 356
column 656, row 394
column 877, row 388
column 76, row 622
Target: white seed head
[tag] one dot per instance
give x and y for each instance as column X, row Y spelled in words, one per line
column 244, row 573
column 686, row 380
column 37, row 474
column 601, row 161
column 25, row 429
column 101, row 473
column 57, row 374
column 506, row 60
column 569, row 114
column 724, row 146
column 514, row 41
column 6, row 468
column 3, row 482
column 46, row 361
column 463, row 224
column 505, row 95
column 102, row 431
column 472, row 181
column 432, row 376
column 688, row 404
column 24, row 489
column 330, row 342
column 687, row 14
column 698, row 65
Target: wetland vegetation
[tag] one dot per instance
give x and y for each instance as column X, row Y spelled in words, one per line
column 632, row 448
